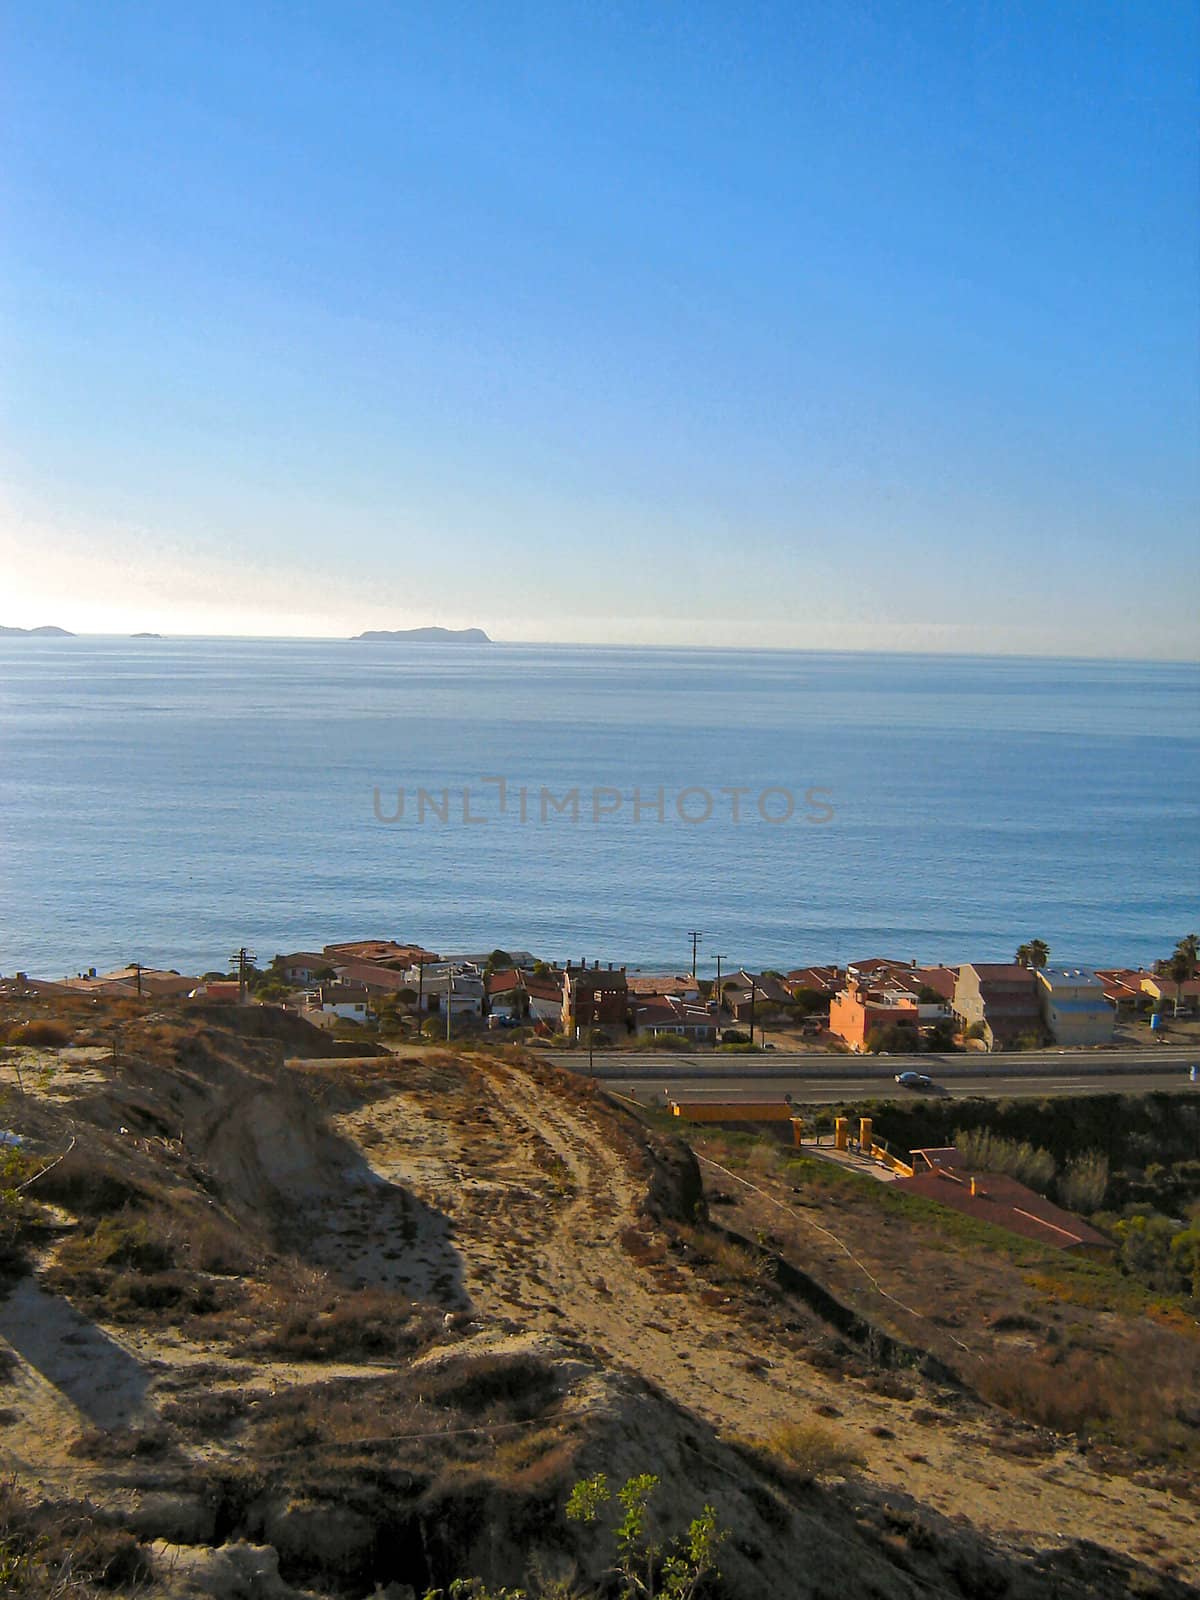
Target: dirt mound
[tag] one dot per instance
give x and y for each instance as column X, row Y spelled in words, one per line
column 296, row 1035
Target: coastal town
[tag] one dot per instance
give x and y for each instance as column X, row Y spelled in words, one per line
column 875, row 1005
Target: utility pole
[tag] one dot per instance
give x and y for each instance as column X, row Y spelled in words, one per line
column 753, row 988
column 449, row 997
column 138, row 970
column 697, row 938
column 243, row 960
column 420, row 992
column 720, row 1001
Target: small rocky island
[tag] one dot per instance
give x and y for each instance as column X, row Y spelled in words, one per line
column 145, row 635
column 425, row 636
column 47, row 632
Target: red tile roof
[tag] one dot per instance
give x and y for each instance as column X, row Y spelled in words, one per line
column 379, row 950
column 503, row 981
column 825, row 980
column 660, row 983
column 940, row 979
column 375, row 977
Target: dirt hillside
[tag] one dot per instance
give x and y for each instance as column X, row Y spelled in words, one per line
column 279, row 1326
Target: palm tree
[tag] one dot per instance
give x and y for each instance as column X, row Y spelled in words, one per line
column 1034, row 954
column 1182, row 964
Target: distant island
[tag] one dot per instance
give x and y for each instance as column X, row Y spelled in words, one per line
column 425, row 636
column 145, row 635
column 38, row 633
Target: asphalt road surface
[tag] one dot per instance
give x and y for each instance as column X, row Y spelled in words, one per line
column 816, row 1079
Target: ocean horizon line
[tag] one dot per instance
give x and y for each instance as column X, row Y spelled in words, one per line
column 827, row 652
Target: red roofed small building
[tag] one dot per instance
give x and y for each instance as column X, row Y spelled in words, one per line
column 218, row 991
column 814, row 980
column 656, row 1014
column 521, row 993
column 348, row 1002
column 1123, row 988
column 376, row 980
column 302, row 966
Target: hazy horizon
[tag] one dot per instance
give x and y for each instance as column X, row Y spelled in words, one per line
column 616, row 644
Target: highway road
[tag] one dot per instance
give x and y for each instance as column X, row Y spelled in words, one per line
column 820, row 1079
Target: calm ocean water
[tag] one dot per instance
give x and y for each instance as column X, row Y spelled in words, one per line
column 169, row 800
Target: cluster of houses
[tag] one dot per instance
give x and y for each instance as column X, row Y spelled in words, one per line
column 1000, row 1003
column 901, row 1003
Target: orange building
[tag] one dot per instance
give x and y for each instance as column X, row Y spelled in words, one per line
column 857, row 1012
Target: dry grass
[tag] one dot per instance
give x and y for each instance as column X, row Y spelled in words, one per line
column 1138, row 1392
column 49, row 1550
column 724, row 1259
column 805, row 1451
column 318, row 1323
column 492, row 1413
column 144, row 1266
column 42, row 1033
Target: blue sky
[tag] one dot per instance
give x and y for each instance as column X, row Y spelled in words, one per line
column 845, row 326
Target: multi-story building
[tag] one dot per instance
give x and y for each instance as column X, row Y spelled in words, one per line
column 593, row 997
column 1075, row 1006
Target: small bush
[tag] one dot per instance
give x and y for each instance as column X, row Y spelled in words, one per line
column 42, row 1032
column 89, row 1184
column 810, row 1451
column 364, row 1324
column 128, row 1241
column 207, row 1414
column 1083, row 1185
column 522, row 1385
column 176, row 1292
